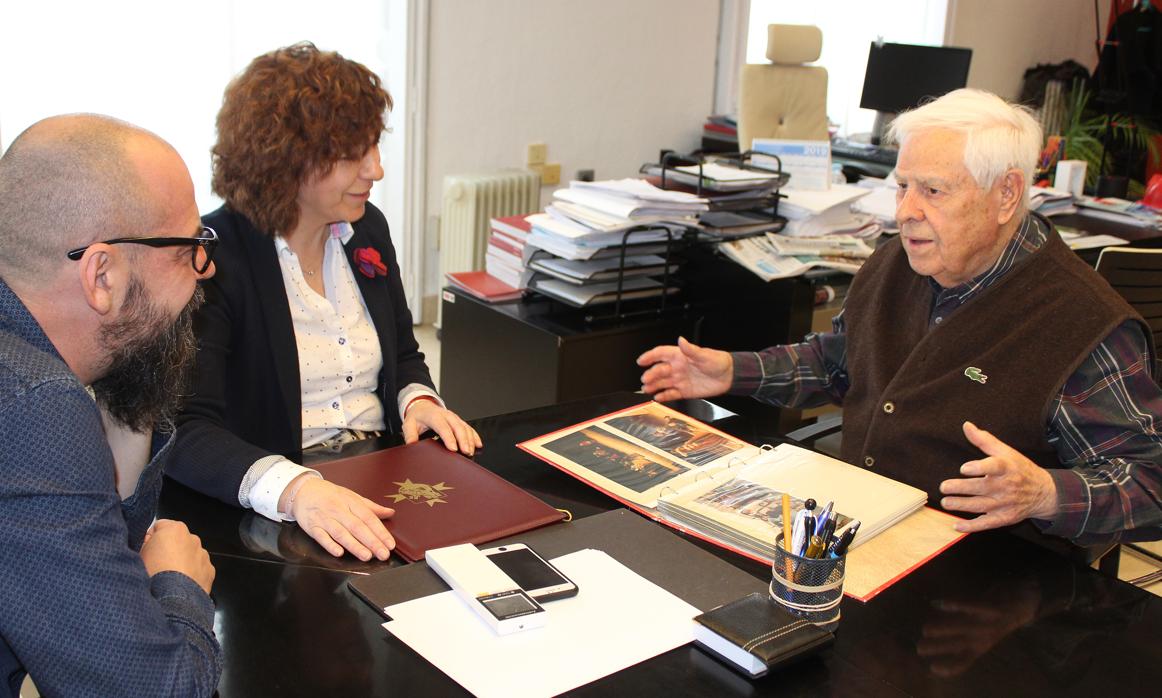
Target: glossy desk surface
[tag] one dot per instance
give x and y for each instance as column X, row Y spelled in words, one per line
column 992, row 615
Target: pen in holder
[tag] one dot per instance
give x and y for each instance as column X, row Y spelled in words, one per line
column 810, row 588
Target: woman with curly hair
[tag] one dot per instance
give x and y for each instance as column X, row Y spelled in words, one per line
column 305, row 339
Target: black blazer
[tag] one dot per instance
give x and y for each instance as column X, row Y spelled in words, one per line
column 246, row 400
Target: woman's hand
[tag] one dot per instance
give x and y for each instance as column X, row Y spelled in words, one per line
column 338, row 518
column 453, row 431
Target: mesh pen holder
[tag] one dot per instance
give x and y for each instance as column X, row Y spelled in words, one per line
column 809, row 588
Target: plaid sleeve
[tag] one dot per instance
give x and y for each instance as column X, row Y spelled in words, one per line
column 1105, row 429
column 808, row 374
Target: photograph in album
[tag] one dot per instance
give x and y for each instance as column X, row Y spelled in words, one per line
column 681, row 471
column 692, row 477
column 615, row 458
column 681, row 438
column 639, row 453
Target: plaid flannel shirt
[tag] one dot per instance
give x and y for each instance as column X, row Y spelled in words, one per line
column 1103, row 424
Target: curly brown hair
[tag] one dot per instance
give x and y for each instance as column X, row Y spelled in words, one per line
column 293, row 113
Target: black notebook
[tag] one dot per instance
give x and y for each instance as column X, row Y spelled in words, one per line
column 755, row 634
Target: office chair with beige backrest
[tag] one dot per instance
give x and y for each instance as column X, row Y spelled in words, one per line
column 784, row 99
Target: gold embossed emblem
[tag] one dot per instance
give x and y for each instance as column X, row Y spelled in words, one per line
column 420, row 492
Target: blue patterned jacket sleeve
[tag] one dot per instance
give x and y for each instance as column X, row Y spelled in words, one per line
column 77, row 608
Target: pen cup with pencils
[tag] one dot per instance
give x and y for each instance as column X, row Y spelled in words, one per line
column 810, row 588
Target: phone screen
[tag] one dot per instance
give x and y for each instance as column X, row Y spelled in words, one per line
column 526, row 569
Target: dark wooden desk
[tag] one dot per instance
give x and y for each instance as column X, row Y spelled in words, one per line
column 992, row 615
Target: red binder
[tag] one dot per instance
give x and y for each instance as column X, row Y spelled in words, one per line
column 440, row 497
column 484, row 286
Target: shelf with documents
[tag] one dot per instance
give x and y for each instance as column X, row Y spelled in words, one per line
column 614, row 275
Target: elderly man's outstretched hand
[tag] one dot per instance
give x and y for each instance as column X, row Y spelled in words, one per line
column 1005, row 487
column 685, row 371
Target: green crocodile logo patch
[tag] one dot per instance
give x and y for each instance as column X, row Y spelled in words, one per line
column 974, row 373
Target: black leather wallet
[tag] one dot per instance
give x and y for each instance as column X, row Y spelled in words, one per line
column 755, row 635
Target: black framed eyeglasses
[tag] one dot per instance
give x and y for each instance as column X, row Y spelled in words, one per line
column 206, row 239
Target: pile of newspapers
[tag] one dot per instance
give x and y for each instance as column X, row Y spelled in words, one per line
column 776, row 256
column 823, row 231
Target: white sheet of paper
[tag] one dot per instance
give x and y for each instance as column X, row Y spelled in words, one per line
column 1086, row 242
column 880, row 202
column 816, row 202
column 617, row 619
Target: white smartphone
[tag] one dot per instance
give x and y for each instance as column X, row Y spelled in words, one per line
column 531, row 572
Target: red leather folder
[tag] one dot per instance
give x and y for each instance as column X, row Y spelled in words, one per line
column 440, row 497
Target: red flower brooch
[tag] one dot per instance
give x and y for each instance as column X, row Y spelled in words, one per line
column 369, row 262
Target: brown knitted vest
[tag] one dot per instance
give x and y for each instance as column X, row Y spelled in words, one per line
column 997, row 361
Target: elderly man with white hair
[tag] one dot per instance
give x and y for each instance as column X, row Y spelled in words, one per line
column 976, row 356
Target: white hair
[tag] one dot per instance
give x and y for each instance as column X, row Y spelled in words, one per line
column 998, row 136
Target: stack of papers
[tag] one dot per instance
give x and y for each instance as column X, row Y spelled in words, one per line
column 720, row 177
column 631, row 198
column 605, row 292
column 602, row 269
column 589, row 217
column 568, row 241
column 880, row 202
column 1051, row 202
column 741, row 195
column 828, row 212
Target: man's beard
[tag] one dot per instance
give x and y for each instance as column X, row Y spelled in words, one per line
column 150, row 362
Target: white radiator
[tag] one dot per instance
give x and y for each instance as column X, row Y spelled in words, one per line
column 469, row 202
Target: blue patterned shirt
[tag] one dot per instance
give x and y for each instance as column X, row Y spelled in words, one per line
column 1104, row 424
column 77, row 609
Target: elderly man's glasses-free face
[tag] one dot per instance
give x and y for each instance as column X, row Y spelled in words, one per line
column 206, row 239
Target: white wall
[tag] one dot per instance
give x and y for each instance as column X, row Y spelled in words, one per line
column 1009, row 36
column 162, row 66
column 605, row 83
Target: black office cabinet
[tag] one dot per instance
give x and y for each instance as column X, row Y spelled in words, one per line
column 515, row 356
column 504, row 358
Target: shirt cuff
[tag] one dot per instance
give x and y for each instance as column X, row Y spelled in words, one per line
column 268, row 489
column 412, row 391
column 180, row 594
column 1073, row 505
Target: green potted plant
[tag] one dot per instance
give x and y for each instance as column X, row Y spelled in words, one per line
column 1085, row 134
